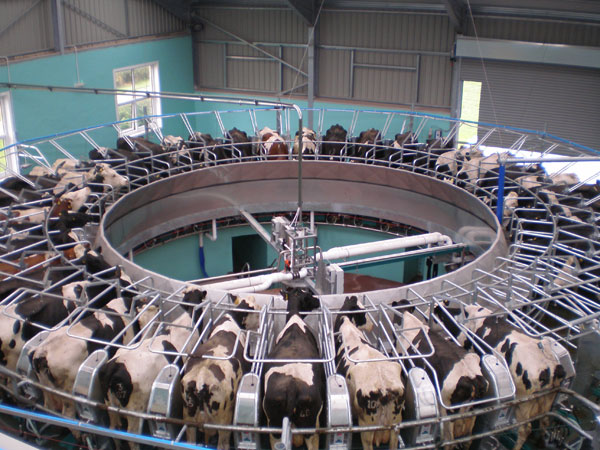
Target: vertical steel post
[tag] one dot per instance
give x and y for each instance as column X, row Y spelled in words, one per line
column 500, row 202
column 300, row 166
column 126, row 12
column 58, row 26
column 311, row 74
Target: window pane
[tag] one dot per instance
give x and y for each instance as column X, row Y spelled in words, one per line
column 124, row 113
column 143, row 107
column 2, row 157
column 123, row 81
column 141, row 77
column 471, row 96
column 2, row 130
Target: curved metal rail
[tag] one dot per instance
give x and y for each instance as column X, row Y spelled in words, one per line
column 546, row 283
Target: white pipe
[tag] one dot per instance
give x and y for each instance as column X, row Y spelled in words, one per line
column 212, row 237
column 380, row 246
column 258, row 281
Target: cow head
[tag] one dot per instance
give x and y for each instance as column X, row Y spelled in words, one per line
column 105, row 174
column 404, row 138
column 246, row 312
column 299, row 300
column 449, row 315
column 355, row 311
column 193, row 295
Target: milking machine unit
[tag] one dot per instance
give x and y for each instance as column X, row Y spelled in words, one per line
column 87, row 386
column 247, row 402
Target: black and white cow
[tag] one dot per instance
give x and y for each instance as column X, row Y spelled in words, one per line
column 203, row 147
column 209, row 386
column 458, row 371
column 375, row 387
column 99, row 174
column 58, row 358
column 24, row 319
column 451, row 161
column 531, row 361
column 73, row 200
column 97, row 293
column 295, row 390
column 127, row 378
column 60, row 167
column 309, row 146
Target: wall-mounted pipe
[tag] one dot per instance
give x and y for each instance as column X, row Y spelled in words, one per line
column 380, row 246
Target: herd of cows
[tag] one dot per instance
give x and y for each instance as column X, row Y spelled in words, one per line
column 57, row 289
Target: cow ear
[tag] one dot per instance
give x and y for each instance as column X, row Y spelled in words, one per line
column 235, row 299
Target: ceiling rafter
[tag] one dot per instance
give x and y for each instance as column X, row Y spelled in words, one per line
column 456, row 10
column 305, row 9
column 180, row 8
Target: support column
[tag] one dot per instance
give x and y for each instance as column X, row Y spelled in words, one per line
column 312, row 38
column 58, row 25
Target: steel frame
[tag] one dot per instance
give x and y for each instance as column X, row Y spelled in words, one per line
column 541, row 285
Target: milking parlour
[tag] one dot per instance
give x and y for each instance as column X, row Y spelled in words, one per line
column 388, row 289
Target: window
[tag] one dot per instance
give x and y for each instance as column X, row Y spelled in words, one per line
column 7, row 136
column 136, row 78
column 469, row 110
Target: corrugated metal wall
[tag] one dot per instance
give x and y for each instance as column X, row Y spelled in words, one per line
column 228, row 63
column 26, row 26
column 390, row 58
column 553, row 32
column 563, row 101
column 386, row 57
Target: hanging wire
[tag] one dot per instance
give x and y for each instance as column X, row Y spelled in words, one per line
column 485, row 75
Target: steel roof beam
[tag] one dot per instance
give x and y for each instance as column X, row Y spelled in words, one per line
column 305, row 9
column 456, row 12
column 180, row 9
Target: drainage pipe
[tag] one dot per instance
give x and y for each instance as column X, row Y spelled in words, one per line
column 380, row 246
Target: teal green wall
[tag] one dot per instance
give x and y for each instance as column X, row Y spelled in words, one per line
column 179, row 258
column 40, row 113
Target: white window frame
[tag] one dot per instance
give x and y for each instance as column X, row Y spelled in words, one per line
column 136, row 129
column 7, row 132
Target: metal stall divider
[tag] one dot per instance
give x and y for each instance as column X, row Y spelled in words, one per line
column 492, row 364
column 87, row 382
column 165, row 395
column 339, row 411
column 247, row 403
column 272, row 321
column 419, row 392
column 421, row 398
column 495, row 370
